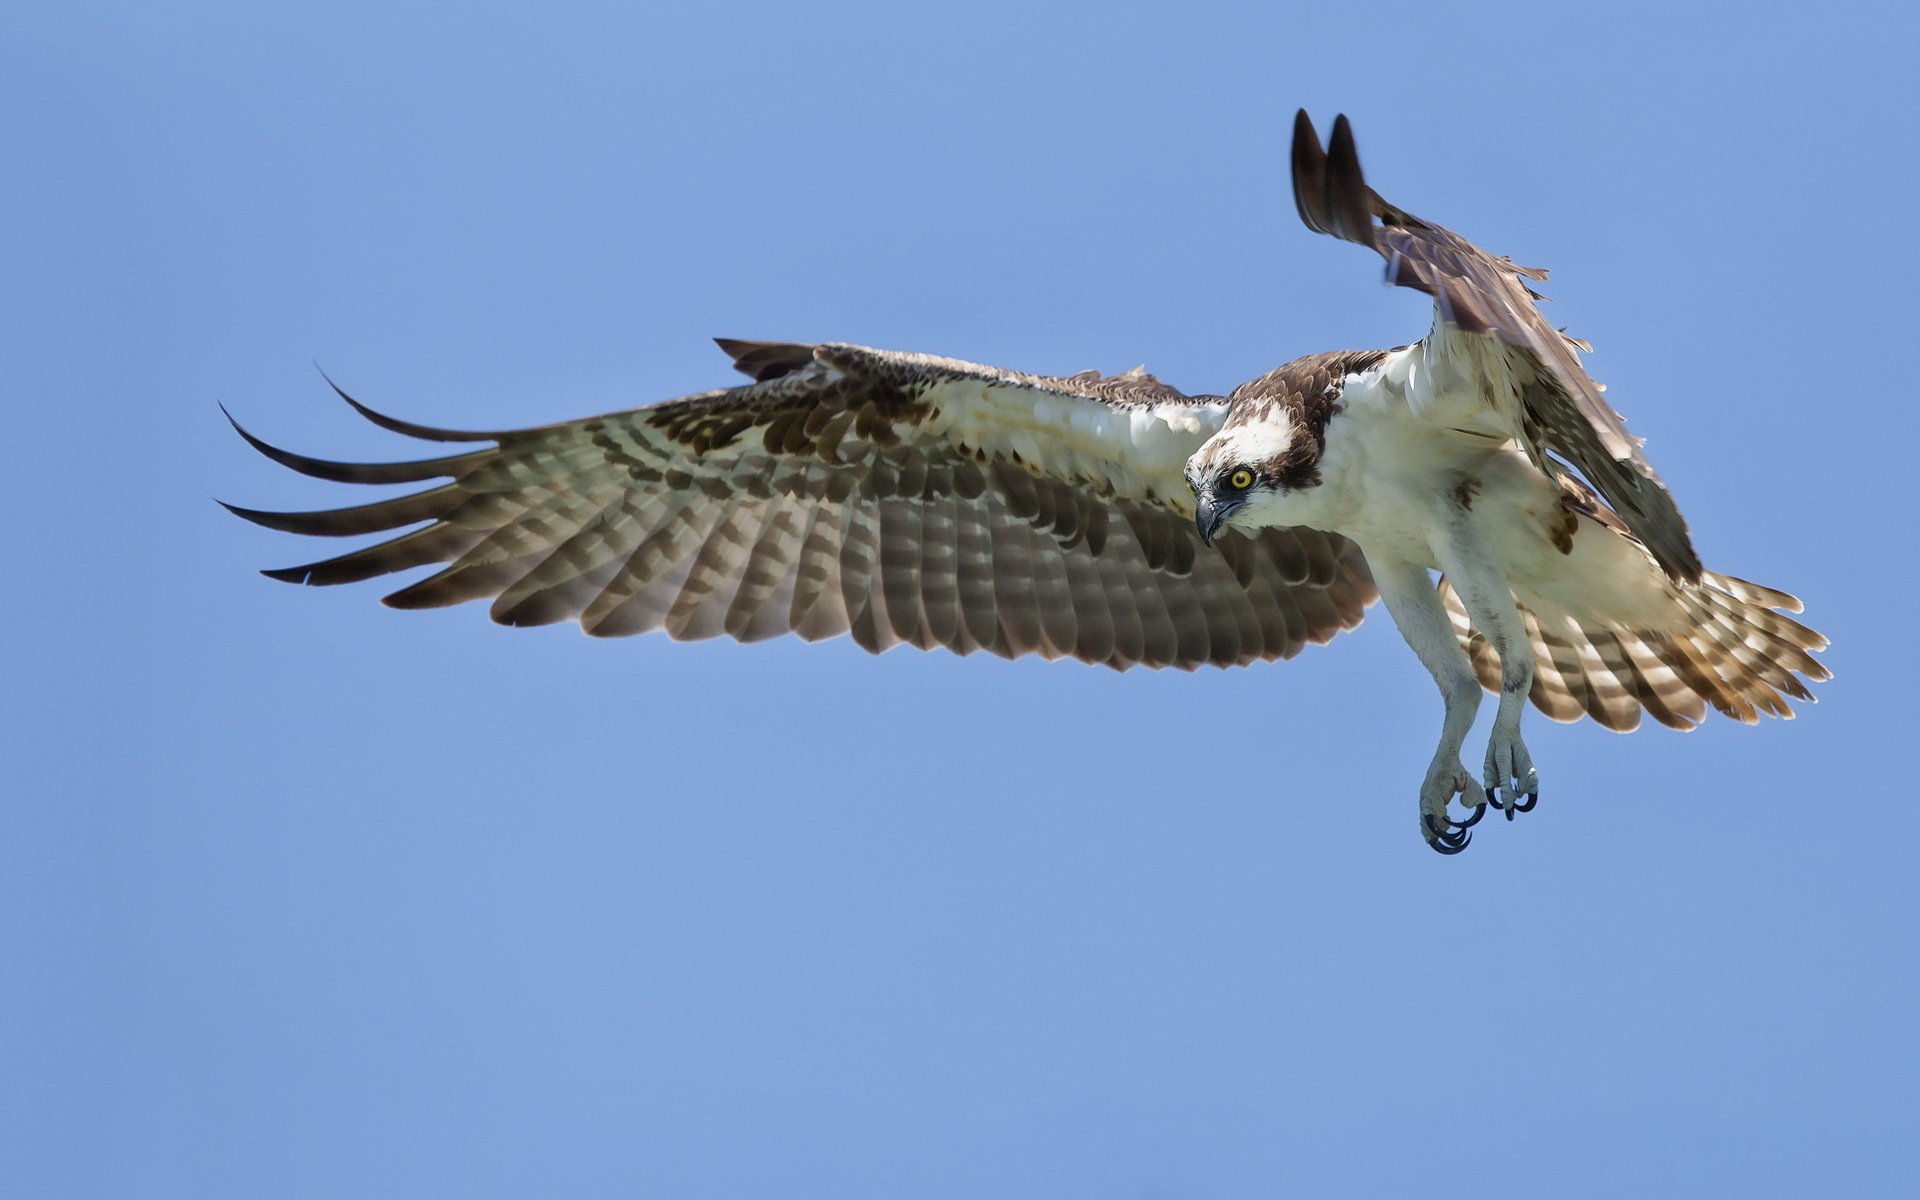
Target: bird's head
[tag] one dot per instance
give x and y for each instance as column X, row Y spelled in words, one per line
column 1250, row 474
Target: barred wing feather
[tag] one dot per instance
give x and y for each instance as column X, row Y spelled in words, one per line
column 900, row 498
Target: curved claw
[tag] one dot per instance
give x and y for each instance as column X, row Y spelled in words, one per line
column 1441, row 846
column 1450, row 840
column 1513, row 804
column 1479, row 810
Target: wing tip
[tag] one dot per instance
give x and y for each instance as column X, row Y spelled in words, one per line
column 256, row 516
column 1309, row 162
column 285, row 458
column 1329, row 188
column 427, row 433
column 344, row 472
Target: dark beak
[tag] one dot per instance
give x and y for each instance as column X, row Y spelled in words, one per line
column 1207, row 518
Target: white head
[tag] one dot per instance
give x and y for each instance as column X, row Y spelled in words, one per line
column 1247, row 474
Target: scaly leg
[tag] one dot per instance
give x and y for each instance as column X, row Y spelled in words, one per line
column 1409, row 595
column 1482, row 587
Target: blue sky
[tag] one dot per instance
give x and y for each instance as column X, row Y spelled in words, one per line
column 306, row 897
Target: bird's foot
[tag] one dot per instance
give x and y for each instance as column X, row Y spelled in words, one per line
column 1442, row 784
column 1509, row 768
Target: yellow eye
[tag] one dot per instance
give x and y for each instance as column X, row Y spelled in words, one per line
column 1193, row 487
column 1240, row 480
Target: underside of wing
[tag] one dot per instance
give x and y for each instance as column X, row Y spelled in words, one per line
column 899, row 498
column 1482, row 294
column 1737, row 652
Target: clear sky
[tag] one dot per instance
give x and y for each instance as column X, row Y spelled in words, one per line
column 304, row 897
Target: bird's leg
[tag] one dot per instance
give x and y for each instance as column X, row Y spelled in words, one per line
column 1482, row 587
column 1409, row 595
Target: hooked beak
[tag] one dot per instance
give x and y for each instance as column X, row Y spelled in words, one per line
column 1208, row 517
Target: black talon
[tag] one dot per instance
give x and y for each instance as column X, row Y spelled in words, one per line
column 1514, row 804
column 1479, row 810
column 1451, row 840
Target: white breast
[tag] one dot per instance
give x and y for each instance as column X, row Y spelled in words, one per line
column 1398, row 473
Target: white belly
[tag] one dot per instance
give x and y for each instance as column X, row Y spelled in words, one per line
column 1400, row 497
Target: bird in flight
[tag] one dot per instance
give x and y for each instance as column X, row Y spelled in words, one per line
column 905, row 498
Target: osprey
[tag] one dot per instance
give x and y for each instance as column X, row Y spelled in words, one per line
column 904, row 498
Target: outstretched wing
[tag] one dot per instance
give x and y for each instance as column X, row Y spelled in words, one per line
column 898, row 497
column 1483, row 294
